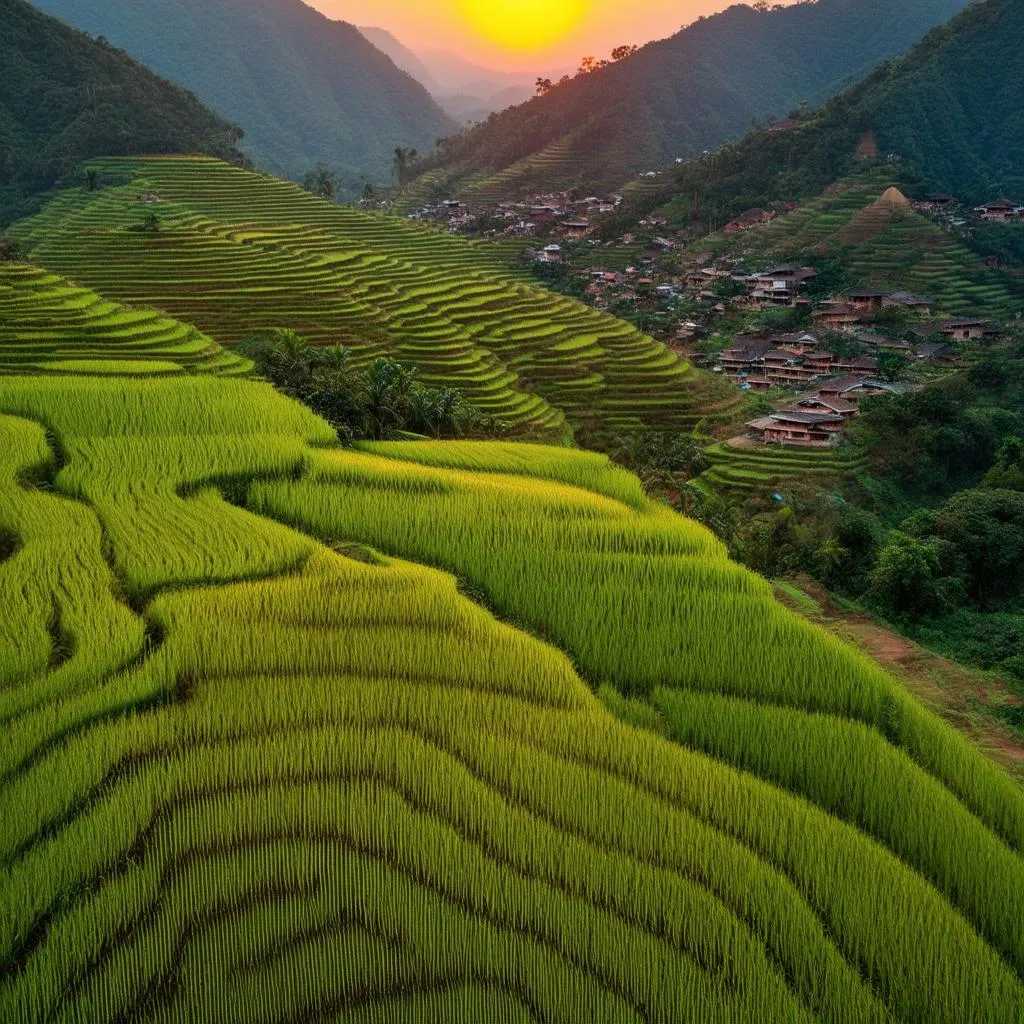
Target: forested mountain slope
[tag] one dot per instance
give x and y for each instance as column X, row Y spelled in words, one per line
column 403, row 57
column 65, row 97
column 305, row 88
column 691, row 92
column 947, row 117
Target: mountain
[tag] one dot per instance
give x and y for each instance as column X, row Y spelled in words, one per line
column 465, row 91
column 401, row 55
column 454, row 73
column 305, row 88
column 691, row 92
column 947, row 117
column 468, row 106
column 65, row 97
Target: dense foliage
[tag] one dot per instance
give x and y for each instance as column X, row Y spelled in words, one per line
column 949, row 112
column 695, row 90
column 65, row 97
column 304, row 87
column 378, row 401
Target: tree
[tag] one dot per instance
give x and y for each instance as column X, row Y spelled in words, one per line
column 375, row 402
column 323, row 182
column 905, row 580
column 985, row 531
column 544, row 86
column 10, row 251
column 624, row 52
column 891, row 366
column 92, row 177
column 402, row 161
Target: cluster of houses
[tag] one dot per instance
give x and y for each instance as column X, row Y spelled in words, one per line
column 556, row 215
column 797, row 360
column 776, row 286
column 834, row 384
column 818, row 420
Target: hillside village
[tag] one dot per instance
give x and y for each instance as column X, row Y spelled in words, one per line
column 857, row 343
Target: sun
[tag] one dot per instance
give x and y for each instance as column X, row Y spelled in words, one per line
column 523, row 24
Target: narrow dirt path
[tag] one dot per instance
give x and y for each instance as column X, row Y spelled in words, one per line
column 967, row 698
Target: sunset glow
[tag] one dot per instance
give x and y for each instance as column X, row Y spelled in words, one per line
column 524, row 25
column 521, row 35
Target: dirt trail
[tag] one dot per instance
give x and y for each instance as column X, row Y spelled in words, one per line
column 966, row 698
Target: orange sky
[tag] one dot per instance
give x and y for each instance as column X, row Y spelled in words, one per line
column 447, row 24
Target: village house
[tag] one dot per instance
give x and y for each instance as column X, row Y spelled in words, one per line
column 906, row 300
column 780, row 286
column 823, row 403
column 1001, row 211
column 544, row 214
column 882, row 344
column 865, row 299
column 802, row 428
column 837, row 316
column 575, row 228
column 938, row 203
column 853, row 389
column 940, row 353
column 745, row 356
column 961, row 328
column 552, row 253
column 857, row 366
column 785, row 369
column 801, row 343
column 746, row 221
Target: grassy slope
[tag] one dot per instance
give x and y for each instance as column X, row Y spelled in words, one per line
column 248, row 777
column 239, row 252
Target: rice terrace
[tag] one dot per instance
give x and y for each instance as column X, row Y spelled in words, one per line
column 349, row 672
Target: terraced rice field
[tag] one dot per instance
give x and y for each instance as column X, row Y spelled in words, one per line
column 238, row 252
column 754, row 469
column 268, row 754
column 48, row 324
column 890, row 246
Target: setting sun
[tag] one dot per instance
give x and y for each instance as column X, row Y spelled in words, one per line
column 524, row 24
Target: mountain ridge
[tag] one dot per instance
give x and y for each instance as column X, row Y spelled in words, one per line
column 306, row 89
column 691, row 92
column 940, row 128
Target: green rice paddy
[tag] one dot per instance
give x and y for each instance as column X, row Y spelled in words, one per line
column 758, row 470
column 435, row 731
column 239, row 252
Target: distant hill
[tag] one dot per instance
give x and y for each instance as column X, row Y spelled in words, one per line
column 305, row 88
column 465, row 91
column 65, row 97
column 688, row 93
column 401, row 55
column 947, row 117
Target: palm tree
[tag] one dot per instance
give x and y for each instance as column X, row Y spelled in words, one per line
column 402, row 159
column 321, row 181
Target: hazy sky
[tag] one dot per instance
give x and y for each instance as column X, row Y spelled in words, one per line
column 522, row 34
